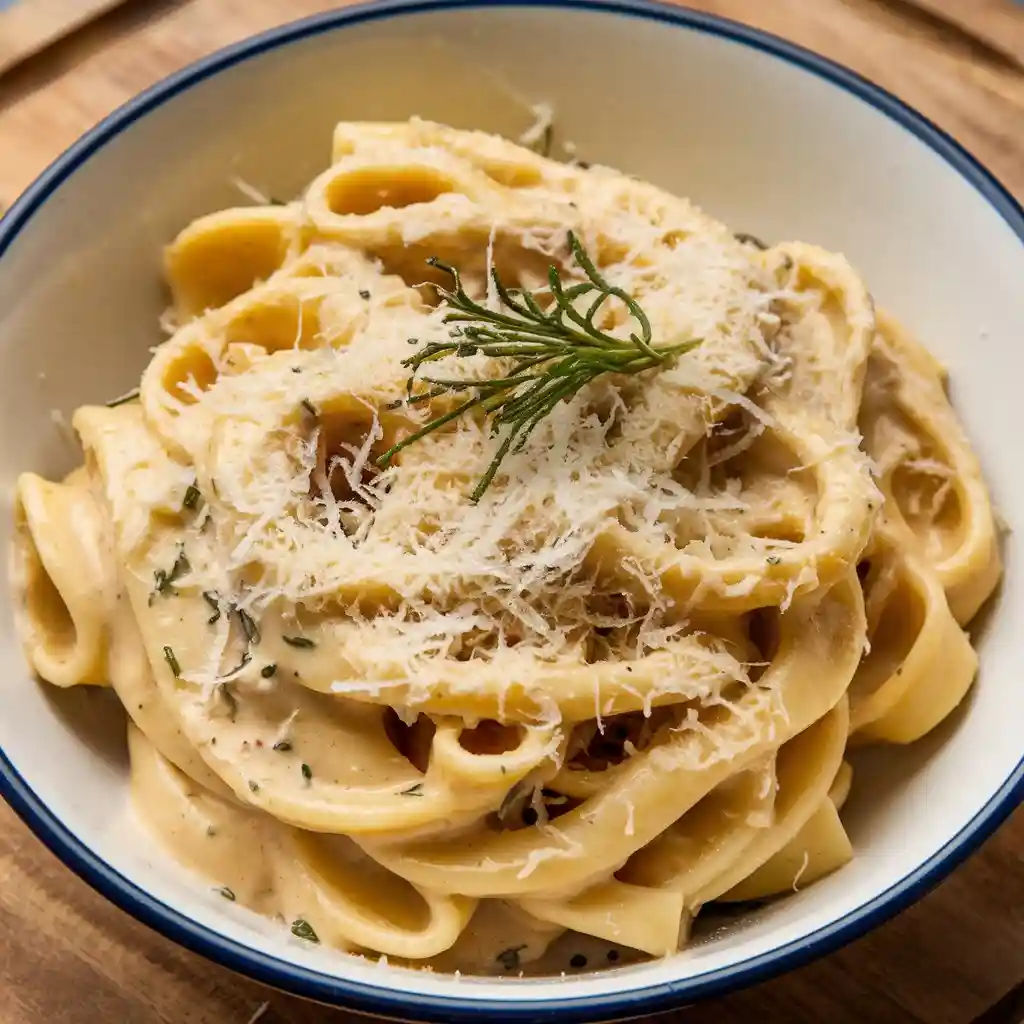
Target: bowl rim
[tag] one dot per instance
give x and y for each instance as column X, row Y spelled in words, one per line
column 370, row 998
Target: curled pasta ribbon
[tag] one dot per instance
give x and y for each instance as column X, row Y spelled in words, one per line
column 936, row 497
column 920, row 663
column 660, row 785
column 733, row 833
column 334, row 739
column 515, row 689
column 292, row 315
column 502, row 161
column 812, row 418
column 62, row 578
column 326, row 882
column 646, row 919
column 820, row 847
column 131, row 677
column 223, row 254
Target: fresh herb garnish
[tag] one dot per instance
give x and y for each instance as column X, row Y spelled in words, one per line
column 748, row 239
column 268, row 670
column 416, row 789
column 302, row 929
column 555, row 352
column 226, row 893
column 164, row 579
column 773, row 560
column 172, row 661
column 128, row 396
column 254, row 786
column 249, row 627
column 191, row 498
column 283, row 746
column 307, row 772
column 213, row 601
column 298, row 641
column 364, row 293
column 509, row 958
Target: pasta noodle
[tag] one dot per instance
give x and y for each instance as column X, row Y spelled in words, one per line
column 620, row 686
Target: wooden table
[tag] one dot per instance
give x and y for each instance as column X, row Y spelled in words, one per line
column 66, row 955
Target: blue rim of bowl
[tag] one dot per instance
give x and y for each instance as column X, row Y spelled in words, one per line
column 369, row 998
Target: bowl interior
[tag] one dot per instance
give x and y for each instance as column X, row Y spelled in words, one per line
column 767, row 145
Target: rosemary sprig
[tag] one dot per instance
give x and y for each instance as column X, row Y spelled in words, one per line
column 555, row 351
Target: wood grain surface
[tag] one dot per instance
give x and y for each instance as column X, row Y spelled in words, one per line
column 66, row 955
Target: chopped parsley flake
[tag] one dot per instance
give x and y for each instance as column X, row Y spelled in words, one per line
column 509, row 958
column 302, row 929
column 211, row 598
column 249, row 627
column 298, row 641
column 172, row 661
column 164, row 580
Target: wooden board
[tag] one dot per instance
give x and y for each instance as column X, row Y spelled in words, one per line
column 69, row 957
column 27, row 26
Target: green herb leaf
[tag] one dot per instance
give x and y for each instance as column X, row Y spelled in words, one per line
column 555, row 351
column 172, row 661
column 747, row 239
column 249, row 627
column 254, row 786
column 191, row 498
column 298, row 641
column 164, row 580
column 302, row 929
column 226, row 893
column 509, row 958
column 364, row 294
column 773, row 560
column 128, row 396
column 307, row 772
column 211, row 598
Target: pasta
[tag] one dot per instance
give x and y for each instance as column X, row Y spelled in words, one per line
column 621, row 685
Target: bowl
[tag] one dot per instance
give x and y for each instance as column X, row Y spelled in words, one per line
column 768, row 137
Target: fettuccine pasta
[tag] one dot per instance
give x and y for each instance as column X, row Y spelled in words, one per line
column 620, row 686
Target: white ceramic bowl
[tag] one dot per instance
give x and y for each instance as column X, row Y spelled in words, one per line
column 768, row 137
